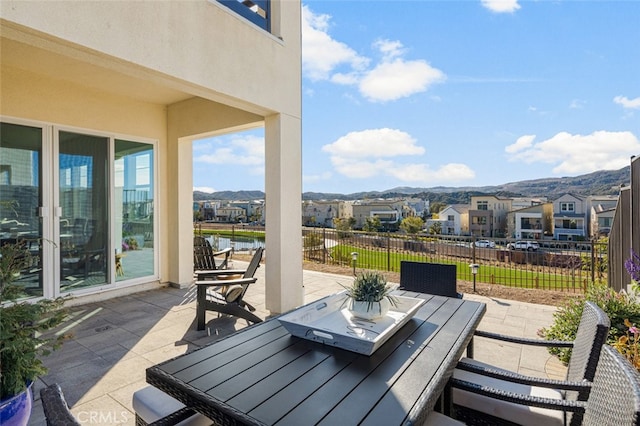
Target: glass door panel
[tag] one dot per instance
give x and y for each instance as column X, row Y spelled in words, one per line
column 134, row 210
column 84, row 220
column 20, row 199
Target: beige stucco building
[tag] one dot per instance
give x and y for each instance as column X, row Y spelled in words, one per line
column 488, row 215
column 100, row 102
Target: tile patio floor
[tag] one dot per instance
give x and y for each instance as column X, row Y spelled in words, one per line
column 114, row 341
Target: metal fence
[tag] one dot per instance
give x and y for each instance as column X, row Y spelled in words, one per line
column 556, row 265
column 568, row 266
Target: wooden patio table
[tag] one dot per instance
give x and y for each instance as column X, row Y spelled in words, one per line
column 262, row 375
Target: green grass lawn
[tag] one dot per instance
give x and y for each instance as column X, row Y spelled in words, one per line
column 535, row 277
column 259, row 235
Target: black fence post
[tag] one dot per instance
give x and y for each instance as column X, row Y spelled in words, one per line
column 388, row 252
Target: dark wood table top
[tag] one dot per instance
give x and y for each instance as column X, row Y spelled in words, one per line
column 265, row 376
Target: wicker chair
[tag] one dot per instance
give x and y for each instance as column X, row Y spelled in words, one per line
column 155, row 408
column 55, row 407
column 431, row 278
column 476, row 408
column 614, row 398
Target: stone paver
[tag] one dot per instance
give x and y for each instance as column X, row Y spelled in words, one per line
column 116, row 340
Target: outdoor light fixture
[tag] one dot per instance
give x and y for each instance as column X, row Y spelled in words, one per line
column 474, row 271
column 354, row 259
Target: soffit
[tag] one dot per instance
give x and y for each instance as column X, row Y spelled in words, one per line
column 62, row 67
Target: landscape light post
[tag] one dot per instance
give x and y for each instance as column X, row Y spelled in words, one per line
column 474, row 271
column 354, row 260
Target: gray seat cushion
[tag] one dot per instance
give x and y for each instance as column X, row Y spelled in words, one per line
column 516, row 413
column 437, row 419
column 151, row 404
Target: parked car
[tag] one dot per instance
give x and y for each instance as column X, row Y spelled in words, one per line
column 485, row 244
column 524, row 245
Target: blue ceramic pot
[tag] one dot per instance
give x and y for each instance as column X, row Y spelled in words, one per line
column 15, row 411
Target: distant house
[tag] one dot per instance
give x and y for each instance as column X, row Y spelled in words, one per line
column 320, row 213
column 518, row 203
column 453, row 220
column 253, row 209
column 231, row 213
column 531, row 223
column 601, row 210
column 601, row 221
column 488, row 215
column 420, row 206
column 388, row 211
column 570, row 218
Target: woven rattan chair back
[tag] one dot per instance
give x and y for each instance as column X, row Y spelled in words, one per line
column 430, row 278
column 615, row 396
column 591, row 335
column 54, row 405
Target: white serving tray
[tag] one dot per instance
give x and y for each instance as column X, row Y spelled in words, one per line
column 328, row 321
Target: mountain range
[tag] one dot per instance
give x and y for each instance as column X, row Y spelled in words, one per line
column 604, row 182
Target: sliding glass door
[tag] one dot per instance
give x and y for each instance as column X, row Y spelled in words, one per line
column 134, row 202
column 83, row 206
column 84, row 210
column 21, row 152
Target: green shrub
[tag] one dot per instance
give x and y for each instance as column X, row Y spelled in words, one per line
column 616, row 305
column 313, row 240
column 340, row 256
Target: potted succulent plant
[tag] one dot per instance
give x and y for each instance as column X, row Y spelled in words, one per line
column 21, row 341
column 369, row 296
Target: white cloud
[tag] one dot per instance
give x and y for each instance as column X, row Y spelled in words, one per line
column 374, row 143
column 204, row 189
column 397, row 79
column 360, row 168
column 389, row 48
column 521, row 143
column 577, row 104
column 321, row 53
column 627, row 103
column 577, row 154
column 245, row 150
column 368, row 153
column 501, row 6
column 422, row 173
column 317, row 178
column 393, row 77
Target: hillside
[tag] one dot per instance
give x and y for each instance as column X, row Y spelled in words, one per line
column 604, row 182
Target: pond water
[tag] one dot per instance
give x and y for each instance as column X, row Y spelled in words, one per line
column 238, row 243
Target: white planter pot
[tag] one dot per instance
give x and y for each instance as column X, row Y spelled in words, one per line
column 369, row 311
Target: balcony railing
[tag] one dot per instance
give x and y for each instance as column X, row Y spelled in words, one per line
column 256, row 11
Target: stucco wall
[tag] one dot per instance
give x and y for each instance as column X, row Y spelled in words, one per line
column 199, row 42
column 34, row 96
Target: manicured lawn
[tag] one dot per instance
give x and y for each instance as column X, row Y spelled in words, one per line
column 508, row 274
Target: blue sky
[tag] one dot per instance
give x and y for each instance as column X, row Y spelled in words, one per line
column 452, row 93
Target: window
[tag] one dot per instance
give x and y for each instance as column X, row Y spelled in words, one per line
column 256, row 11
column 568, row 207
column 450, row 218
column 479, row 220
column 483, row 205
